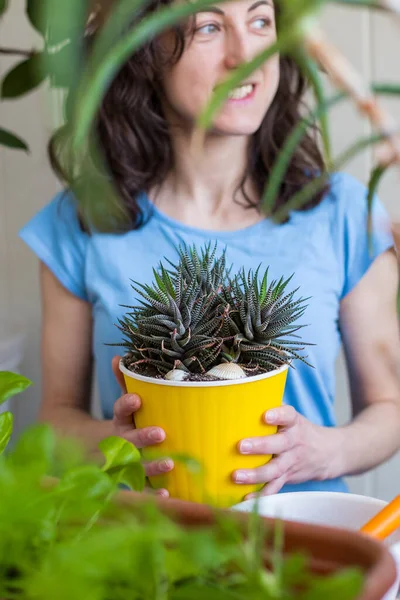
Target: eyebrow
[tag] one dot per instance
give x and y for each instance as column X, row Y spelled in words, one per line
column 218, row 11
column 260, row 3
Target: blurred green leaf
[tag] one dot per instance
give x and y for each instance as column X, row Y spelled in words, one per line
column 12, row 384
column 35, row 13
column 308, row 191
column 88, row 481
column 373, row 184
column 61, row 66
column 65, row 30
column 290, row 35
column 133, row 476
column 123, row 462
column 23, row 78
column 101, row 73
column 192, row 464
column 34, row 450
column 119, row 18
column 12, row 141
column 3, row 6
column 367, row 3
column 386, row 89
column 6, row 428
column 287, row 151
column 345, row 585
column 57, row 21
column 118, row 452
column 311, row 70
column 240, row 74
column 206, row 591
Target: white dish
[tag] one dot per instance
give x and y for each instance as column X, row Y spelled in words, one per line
column 349, row 511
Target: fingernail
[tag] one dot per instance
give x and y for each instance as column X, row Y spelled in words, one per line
column 241, row 477
column 246, row 446
column 166, row 465
column 270, row 416
column 133, row 399
column 156, row 435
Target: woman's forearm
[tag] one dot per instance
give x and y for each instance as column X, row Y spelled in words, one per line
column 370, row 439
column 74, row 422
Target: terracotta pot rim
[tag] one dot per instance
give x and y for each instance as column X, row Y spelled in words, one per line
column 329, row 548
column 201, row 384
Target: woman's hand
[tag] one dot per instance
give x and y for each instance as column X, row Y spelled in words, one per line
column 123, row 421
column 302, row 452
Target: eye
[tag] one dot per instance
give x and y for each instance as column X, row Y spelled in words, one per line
column 261, row 23
column 208, row 29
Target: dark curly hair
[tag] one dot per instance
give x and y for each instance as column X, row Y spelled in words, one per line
column 135, row 142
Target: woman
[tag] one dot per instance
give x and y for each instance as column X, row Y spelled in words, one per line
column 146, row 128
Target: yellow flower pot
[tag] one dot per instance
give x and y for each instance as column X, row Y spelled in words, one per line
column 205, row 421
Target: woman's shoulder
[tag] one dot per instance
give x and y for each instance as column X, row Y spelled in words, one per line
column 63, row 207
column 55, row 235
column 351, row 205
column 59, row 213
column 346, row 192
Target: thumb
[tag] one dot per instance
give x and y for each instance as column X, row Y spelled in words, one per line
column 117, row 373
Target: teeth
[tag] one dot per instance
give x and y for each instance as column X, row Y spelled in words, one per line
column 240, row 92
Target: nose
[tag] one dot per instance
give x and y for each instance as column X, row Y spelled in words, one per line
column 236, row 48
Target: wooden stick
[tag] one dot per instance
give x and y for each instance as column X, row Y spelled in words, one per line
column 17, row 52
column 392, row 5
column 346, row 78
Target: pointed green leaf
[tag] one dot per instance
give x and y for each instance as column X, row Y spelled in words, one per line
column 23, row 78
column 88, row 481
column 35, row 13
column 61, row 66
column 58, row 21
column 3, row 6
column 12, row 141
column 285, row 155
column 386, row 89
column 118, row 453
column 6, row 428
column 106, row 63
column 312, row 72
column 301, row 198
column 375, row 179
column 133, row 476
column 12, row 384
column 286, row 41
column 63, row 25
column 357, row 3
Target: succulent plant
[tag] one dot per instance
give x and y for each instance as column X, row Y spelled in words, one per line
column 196, row 319
column 209, row 273
column 177, row 324
column 260, row 325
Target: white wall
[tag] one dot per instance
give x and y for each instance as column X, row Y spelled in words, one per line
column 372, row 42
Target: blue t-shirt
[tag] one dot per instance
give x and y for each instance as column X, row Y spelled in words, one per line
column 326, row 248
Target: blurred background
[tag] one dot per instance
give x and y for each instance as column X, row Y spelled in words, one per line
column 27, row 184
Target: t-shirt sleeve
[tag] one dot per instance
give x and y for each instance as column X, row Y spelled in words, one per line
column 358, row 247
column 56, row 237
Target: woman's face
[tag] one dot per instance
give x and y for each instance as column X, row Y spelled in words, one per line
column 225, row 36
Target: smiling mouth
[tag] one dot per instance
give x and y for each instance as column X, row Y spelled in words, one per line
column 241, row 92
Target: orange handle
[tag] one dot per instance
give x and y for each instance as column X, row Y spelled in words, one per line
column 385, row 522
